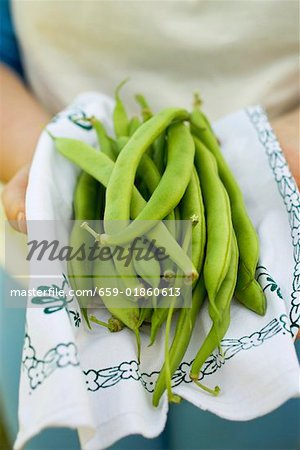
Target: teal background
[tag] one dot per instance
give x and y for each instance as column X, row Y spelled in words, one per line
column 187, row 427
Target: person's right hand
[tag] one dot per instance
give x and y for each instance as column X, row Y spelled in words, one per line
column 13, row 198
column 22, row 119
column 286, row 129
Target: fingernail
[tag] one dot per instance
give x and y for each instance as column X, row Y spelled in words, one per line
column 22, row 222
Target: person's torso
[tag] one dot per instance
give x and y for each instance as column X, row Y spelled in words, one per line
column 234, row 53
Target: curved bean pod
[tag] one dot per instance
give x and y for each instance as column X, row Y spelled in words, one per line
column 146, row 110
column 86, row 207
column 126, row 272
column 120, row 118
column 253, row 297
column 121, row 306
column 122, row 177
column 192, row 206
column 221, row 323
column 159, row 152
column 181, row 150
column 105, row 142
column 246, row 235
column 133, row 125
column 183, row 332
column 218, row 219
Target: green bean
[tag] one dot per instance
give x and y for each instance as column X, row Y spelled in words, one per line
column 133, row 125
column 122, row 177
column 179, row 167
column 178, row 227
column 105, row 143
column 253, row 297
column 146, row 110
column 246, row 235
column 159, row 152
column 148, row 269
column 148, row 172
column 100, row 167
column 126, row 272
column 121, row 306
column 126, row 310
column 85, row 208
column 218, row 219
column 120, row 118
column 159, row 316
column 167, row 364
column 221, row 323
column 168, row 371
column 109, row 148
column 183, row 332
column 146, row 169
column 121, row 142
column 192, row 207
column 146, row 115
column 145, row 315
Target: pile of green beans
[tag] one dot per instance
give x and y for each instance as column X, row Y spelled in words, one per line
column 165, row 167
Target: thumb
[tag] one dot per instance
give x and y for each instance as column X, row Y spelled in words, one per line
column 13, row 198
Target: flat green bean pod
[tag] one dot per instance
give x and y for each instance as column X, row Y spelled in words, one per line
column 127, row 311
column 218, row 219
column 86, row 207
column 125, row 271
column 148, row 269
column 133, row 125
column 159, row 152
column 120, row 118
column 192, row 207
column 150, row 176
column 120, row 306
column 105, row 143
column 221, row 323
column 253, row 297
column 123, row 174
column 183, row 332
column 159, row 316
column 167, row 195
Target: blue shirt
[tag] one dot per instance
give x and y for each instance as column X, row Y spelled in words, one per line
column 9, row 49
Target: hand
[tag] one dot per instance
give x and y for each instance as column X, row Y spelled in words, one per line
column 13, row 198
column 22, row 119
column 287, row 131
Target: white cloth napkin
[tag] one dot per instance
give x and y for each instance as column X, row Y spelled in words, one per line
column 91, row 380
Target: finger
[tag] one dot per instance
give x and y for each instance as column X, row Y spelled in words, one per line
column 13, row 198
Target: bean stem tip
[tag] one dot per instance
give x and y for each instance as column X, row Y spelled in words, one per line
column 90, row 230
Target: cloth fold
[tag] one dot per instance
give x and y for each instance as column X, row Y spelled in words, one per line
column 91, row 380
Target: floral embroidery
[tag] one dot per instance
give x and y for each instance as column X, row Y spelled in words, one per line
column 290, row 195
column 36, row 374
